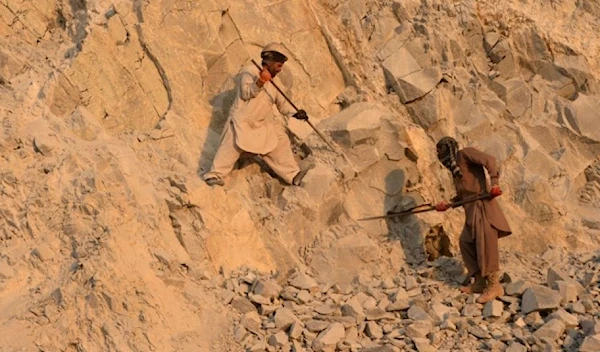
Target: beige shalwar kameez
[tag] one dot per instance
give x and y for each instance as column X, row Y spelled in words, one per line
column 484, row 222
column 252, row 127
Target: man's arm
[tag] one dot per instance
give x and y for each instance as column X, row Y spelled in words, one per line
column 249, row 88
column 475, row 156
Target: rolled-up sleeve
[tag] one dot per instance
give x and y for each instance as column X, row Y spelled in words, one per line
column 475, row 156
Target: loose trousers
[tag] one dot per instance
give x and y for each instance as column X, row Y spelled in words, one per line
column 280, row 160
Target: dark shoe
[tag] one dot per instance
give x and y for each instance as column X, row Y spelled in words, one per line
column 214, row 181
column 298, row 178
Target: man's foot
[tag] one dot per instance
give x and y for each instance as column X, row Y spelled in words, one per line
column 478, row 286
column 493, row 290
column 214, row 181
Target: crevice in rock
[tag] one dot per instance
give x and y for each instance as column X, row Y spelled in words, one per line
column 159, row 68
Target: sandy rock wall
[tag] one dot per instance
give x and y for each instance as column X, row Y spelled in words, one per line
column 112, row 109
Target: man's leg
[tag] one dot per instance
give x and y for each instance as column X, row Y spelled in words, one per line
column 281, row 159
column 468, row 250
column 226, row 157
column 490, row 263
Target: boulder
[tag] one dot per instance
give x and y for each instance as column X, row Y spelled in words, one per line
column 538, row 298
column 582, row 116
column 409, row 80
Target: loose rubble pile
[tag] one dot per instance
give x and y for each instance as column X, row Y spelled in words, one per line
column 416, row 311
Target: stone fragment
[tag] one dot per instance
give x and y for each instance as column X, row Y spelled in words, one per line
column 279, row 339
column 251, row 322
column 375, row 313
column 267, row 288
column 581, row 116
column 555, row 275
column 284, row 318
column 373, row 330
column 568, row 319
column 295, row 330
column 316, row 325
column 534, row 319
column 410, row 283
column 419, row 329
column 493, row 309
column 478, row 332
column 45, row 144
column 260, row 346
column 239, row 333
column 304, row 296
column 567, row 290
column 417, row 313
column 448, row 325
column 590, row 327
column 423, row 345
column 517, row 288
column 516, row 347
column 538, row 298
column 553, row 330
column 440, row 311
column 326, row 309
column 576, row 307
column 304, row 282
column 471, row 310
column 329, row 338
column 590, row 344
column 243, row 305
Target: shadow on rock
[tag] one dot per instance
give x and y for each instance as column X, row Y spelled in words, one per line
column 221, row 104
column 403, row 228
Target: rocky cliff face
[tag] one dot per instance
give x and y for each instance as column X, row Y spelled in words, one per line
column 111, row 111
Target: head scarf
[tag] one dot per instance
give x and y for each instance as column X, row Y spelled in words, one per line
column 447, row 149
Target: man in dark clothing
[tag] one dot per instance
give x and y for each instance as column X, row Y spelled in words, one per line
column 484, row 222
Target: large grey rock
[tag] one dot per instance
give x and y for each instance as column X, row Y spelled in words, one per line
column 540, row 297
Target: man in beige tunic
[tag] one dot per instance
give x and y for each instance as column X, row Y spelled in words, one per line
column 485, row 223
column 252, row 126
